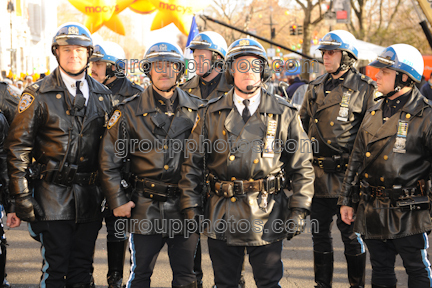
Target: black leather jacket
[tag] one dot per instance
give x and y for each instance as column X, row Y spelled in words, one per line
column 391, row 168
column 139, row 124
column 192, row 86
column 128, row 89
column 224, row 123
column 8, row 101
column 44, row 130
column 323, row 111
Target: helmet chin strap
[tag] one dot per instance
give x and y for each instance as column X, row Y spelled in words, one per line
column 398, row 86
column 248, row 92
column 109, row 73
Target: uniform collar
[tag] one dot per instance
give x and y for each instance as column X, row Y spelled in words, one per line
column 69, row 81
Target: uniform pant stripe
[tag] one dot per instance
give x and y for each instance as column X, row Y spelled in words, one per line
column 360, row 240
column 133, row 260
column 425, row 259
column 46, row 266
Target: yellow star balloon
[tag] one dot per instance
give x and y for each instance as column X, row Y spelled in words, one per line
column 179, row 12
column 102, row 12
column 142, row 7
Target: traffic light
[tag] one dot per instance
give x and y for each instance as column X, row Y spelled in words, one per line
column 300, row 30
column 273, row 33
column 293, row 29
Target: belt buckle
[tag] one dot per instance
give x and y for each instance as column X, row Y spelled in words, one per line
column 271, row 184
column 93, row 177
column 238, row 187
column 379, row 191
column 320, row 163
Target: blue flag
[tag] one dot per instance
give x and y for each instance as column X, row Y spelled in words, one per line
column 188, row 53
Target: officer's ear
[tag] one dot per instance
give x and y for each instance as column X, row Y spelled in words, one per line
column 404, row 77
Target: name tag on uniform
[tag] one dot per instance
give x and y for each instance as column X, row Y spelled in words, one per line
column 401, row 137
column 343, row 110
column 268, row 151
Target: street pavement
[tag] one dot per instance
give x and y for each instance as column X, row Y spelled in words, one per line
column 24, row 263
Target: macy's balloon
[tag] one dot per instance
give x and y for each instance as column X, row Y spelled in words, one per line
column 102, row 12
column 179, row 12
column 105, row 12
column 142, row 7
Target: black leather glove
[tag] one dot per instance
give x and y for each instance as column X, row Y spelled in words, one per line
column 26, row 208
column 296, row 222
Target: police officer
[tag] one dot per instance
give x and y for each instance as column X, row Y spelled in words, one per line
column 108, row 68
column 104, row 70
column 334, row 106
column 246, row 180
column 5, row 203
column 8, row 101
column 392, row 158
column 209, row 50
column 151, row 126
column 59, row 124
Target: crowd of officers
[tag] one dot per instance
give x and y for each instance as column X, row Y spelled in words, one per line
column 64, row 172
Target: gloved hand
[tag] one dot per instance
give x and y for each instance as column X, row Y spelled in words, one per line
column 296, row 222
column 193, row 213
column 26, row 208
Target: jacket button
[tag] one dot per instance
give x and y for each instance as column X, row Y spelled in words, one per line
column 101, row 98
column 331, row 123
column 373, row 113
column 151, row 195
column 189, row 109
column 58, row 96
column 316, row 120
column 166, row 167
column 190, row 90
column 233, row 199
column 382, row 179
column 81, row 159
column 233, row 178
column 328, row 141
column 219, row 112
column 166, row 147
column 385, row 157
column 256, row 161
column 407, row 116
column 67, row 112
column 270, row 115
column 145, row 114
column 152, row 185
column 366, row 175
column 223, row 132
column 312, row 138
column 232, row 157
column 368, row 154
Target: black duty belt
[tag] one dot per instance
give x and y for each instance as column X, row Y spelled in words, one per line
column 336, row 163
column 271, row 185
column 158, row 187
column 395, row 192
column 66, row 177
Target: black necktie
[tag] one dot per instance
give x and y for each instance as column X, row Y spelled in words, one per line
column 246, row 113
column 79, row 101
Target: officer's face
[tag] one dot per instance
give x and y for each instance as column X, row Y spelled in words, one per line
column 332, row 59
column 203, row 61
column 385, row 80
column 98, row 70
column 246, row 72
column 73, row 58
column 164, row 74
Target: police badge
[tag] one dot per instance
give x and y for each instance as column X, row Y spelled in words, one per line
column 114, row 118
column 400, row 142
column 344, row 110
column 25, row 102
